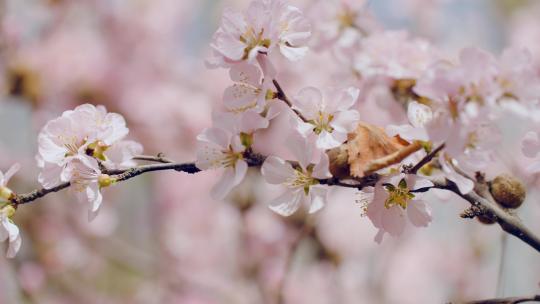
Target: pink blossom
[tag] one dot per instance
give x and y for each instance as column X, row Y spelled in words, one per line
column 330, row 117
column 267, row 24
column 8, row 230
column 248, row 92
column 85, row 131
column 518, row 77
column 120, row 155
column 301, row 182
column 393, row 54
column 86, row 181
column 218, row 148
column 419, row 116
column 394, row 202
column 340, row 23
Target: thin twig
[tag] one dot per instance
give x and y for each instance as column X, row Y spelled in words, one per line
column 282, row 96
column 477, row 198
column 158, row 159
column 425, row 160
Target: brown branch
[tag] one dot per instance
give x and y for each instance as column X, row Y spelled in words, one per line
column 120, row 175
column 282, row 96
column 253, row 160
column 479, row 198
column 38, row 193
column 160, row 158
column 512, row 300
column 508, row 222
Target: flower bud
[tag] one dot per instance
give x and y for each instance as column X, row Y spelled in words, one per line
column 508, row 191
column 5, row 193
column 105, row 180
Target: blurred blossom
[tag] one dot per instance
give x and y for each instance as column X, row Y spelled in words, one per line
column 462, row 72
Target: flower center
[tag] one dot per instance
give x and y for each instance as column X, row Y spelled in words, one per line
column 346, row 19
column 252, row 39
column 97, row 150
column 322, row 123
column 72, row 144
column 301, row 179
column 398, row 196
column 228, row 159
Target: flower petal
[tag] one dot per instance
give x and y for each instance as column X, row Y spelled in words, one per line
column 276, row 170
column 393, row 221
column 10, row 172
column 345, row 121
column 318, row 196
column 327, row 140
column 287, row 203
column 418, row 213
column 419, row 115
column 231, row 178
column 309, row 102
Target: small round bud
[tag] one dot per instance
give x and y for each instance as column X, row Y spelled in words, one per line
column 5, row 193
column 105, row 180
column 508, row 191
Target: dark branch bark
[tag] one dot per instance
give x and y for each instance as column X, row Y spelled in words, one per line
column 508, row 222
column 282, row 96
column 478, row 198
column 425, row 160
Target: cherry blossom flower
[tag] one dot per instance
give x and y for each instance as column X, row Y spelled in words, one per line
column 86, row 182
column 330, row 117
column 267, row 24
column 518, row 77
column 473, row 79
column 218, row 148
column 340, row 23
column 301, row 182
column 8, row 230
column 419, row 116
column 86, row 130
column 393, row 54
column 120, row 155
column 249, row 92
column 394, row 202
column 244, row 123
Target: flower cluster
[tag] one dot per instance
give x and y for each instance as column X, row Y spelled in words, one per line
column 444, row 116
column 455, row 103
column 244, row 44
column 77, row 146
column 266, row 25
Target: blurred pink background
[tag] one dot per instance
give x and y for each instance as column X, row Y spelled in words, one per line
column 160, row 238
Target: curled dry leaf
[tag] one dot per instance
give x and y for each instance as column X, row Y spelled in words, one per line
column 367, row 150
